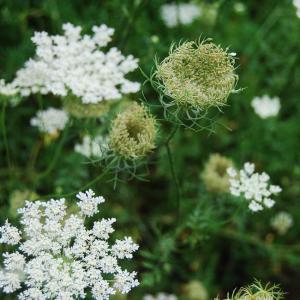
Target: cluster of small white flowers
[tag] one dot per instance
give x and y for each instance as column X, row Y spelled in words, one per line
column 74, row 63
column 60, row 258
column 183, row 13
column 7, row 89
column 297, row 6
column 282, row 222
column 90, row 147
column 50, row 120
column 253, row 186
column 160, row 296
column 266, row 106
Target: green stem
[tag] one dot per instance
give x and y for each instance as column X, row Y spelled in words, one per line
column 173, row 172
column 4, row 134
column 130, row 23
column 55, row 158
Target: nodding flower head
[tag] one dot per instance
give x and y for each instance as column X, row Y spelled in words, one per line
column 197, row 75
column 133, row 132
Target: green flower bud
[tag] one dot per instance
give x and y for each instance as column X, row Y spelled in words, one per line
column 76, row 108
column 195, row 290
column 215, row 175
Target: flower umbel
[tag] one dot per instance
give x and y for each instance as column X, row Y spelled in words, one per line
column 90, row 147
column 74, row 64
column 215, row 175
column 253, row 186
column 133, row 132
column 50, row 121
column 197, row 75
column 174, row 14
column 282, row 222
column 160, row 296
column 266, row 107
column 60, row 258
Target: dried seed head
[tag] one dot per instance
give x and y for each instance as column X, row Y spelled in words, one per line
column 215, row 175
column 76, row 108
column 133, row 132
column 198, row 75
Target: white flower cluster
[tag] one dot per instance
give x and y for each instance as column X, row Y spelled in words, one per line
column 297, row 6
column 59, row 258
column 282, row 222
column 74, row 63
column 50, row 120
column 253, row 186
column 160, row 296
column 7, row 89
column 183, row 13
column 90, row 147
column 266, row 106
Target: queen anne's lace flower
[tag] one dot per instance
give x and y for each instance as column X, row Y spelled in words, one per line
column 7, row 89
column 174, row 14
column 253, row 186
column 60, row 258
column 197, row 75
column 265, row 106
column 282, row 222
column 133, row 132
column 297, row 6
column 50, row 120
column 93, row 147
column 160, row 296
column 74, row 63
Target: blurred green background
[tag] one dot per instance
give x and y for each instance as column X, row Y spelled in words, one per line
column 265, row 36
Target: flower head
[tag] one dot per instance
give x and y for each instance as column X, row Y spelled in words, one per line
column 195, row 290
column 282, row 222
column 253, row 186
column 215, row 175
column 74, row 64
column 174, row 14
column 297, row 6
column 50, row 121
column 160, row 296
column 133, row 132
column 58, row 257
column 265, row 106
column 197, row 75
column 93, row 147
column 257, row 291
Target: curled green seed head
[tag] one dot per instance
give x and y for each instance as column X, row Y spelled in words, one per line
column 133, row 132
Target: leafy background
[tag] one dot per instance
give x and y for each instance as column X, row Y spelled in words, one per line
column 204, row 246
